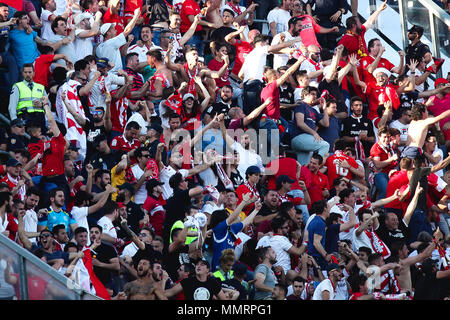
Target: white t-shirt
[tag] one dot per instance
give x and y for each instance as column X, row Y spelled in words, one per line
column 361, row 241
column 3, row 223
column 96, row 97
column 209, row 177
column 30, row 221
column 403, row 128
column 129, row 250
column 165, row 175
column 107, row 226
column 298, row 94
column 67, row 49
column 80, row 215
column 281, row 59
column 61, row 6
column 438, row 152
column 281, row 245
column 83, row 46
column 254, row 63
column 141, row 194
column 111, row 49
column 247, row 158
column 280, row 17
column 325, row 285
column 142, row 51
column 338, row 208
column 139, row 119
column 309, row 67
column 46, row 31
column 419, row 87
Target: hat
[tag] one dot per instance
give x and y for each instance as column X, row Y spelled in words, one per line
column 417, row 29
column 12, row 163
column 73, row 147
column 17, row 122
column 205, row 262
column 333, row 266
column 153, row 183
column 284, row 178
column 439, row 81
column 120, row 205
column 102, row 62
column 384, row 70
column 127, row 186
column 105, row 27
column 80, row 17
column 252, row 170
column 187, row 96
column 157, row 127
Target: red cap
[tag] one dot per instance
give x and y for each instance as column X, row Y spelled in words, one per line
column 439, row 81
column 120, row 204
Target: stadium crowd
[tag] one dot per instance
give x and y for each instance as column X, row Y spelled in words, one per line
column 173, row 150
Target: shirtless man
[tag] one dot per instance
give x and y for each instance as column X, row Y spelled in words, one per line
column 162, row 77
column 418, row 129
column 191, row 69
column 144, row 287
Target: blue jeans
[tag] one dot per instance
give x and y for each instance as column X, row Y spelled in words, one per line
column 299, row 193
column 305, row 143
column 418, row 224
column 252, row 95
column 381, row 183
column 270, row 125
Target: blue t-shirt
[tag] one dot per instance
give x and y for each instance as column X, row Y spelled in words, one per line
column 332, row 238
column 23, row 46
column 316, row 226
column 54, row 218
column 223, row 240
column 330, row 134
column 310, row 116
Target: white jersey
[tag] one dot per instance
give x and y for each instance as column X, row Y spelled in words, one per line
column 107, row 226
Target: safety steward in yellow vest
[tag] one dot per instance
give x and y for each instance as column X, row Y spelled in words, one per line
column 26, row 99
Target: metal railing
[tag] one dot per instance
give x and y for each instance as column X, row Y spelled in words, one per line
column 35, row 278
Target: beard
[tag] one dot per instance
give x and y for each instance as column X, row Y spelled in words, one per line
column 142, row 273
column 97, row 120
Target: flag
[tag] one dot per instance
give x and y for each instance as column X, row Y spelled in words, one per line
column 86, row 278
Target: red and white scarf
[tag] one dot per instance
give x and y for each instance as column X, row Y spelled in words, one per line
column 377, row 244
column 191, row 84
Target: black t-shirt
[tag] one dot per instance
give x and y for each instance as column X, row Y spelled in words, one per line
column 419, row 49
column 4, row 33
column 173, row 260
column 153, row 147
column 160, row 12
column 176, row 207
column 334, row 90
column 266, row 211
column 391, row 236
column 219, row 34
column 222, row 107
column 147, row 253
column 134, row 215
column 105, row 253
column 286, row 97
column 234, row 284
column 236, row 179
column 420, row 176
column 106, row 161
column 332, row 237
column 197, row 290
column 352, row 127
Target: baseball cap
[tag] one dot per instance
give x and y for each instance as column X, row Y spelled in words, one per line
column 417, row 29
column 157, row 127
column 333, row 266
column 205, row 262
column 17, row 122
column 439, row 81
column 252, row 170
column 384, row 70
column 80, row 17
column 13, row 163
column 153, row 183
column 284, row 178
column 73, row 147
column 127, row 186
column 187, row 96
column 105, row 27
column 103, row 62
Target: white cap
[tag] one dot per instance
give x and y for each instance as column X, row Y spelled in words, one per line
column 105, row 27
column 384, row 70
column 80, row 17
column 188, row 95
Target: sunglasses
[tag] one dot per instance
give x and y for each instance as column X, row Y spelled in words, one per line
column 97, row 112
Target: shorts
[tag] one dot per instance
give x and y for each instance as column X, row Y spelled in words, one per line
column 411, row 152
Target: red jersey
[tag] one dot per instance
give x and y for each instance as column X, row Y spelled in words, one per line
column 42, row 69
column 355, row 43
column 52, row 160
column 348, row 83
column 319, row 183
column 108, row 17
column 367, row 61
column 396, row 181
column 225, row 78
column 156, row 212
column 242, row 49
column 12, row 183
column 119, row 113
column 383, row 154
column 375, row 95
column 190, row 7
column 122, row 144
column 334, row 171
column 308, row 30
column 243, row 189
column 272, row 91
column 283, row 166
column 12, row 227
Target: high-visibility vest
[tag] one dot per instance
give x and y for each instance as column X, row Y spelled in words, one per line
column 219, row 274
column 26, row 97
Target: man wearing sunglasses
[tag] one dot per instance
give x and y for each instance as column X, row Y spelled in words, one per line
column 141, row 173
column 17, row 139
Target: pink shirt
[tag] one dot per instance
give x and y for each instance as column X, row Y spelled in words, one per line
column 309, row 30
column 439, row 106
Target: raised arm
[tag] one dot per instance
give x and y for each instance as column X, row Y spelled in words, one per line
column 188, row 35
column 132, row 23
column 205, row 92
column 290, row 71
column 51, row 119
column 374, row 16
